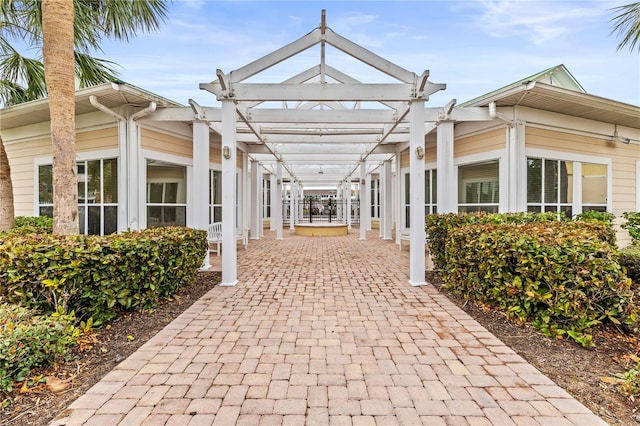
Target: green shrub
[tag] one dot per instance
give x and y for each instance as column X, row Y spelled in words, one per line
column 632, row 225
column 28, row 340
column 564, row 277
column 596, row 216
column 32, row 225
column 630, row 259
column 439, row 226
column 94, row 276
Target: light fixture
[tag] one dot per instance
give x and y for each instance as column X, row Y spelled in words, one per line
column 320, row 171
column 363, row 181
column 420, row 152
column 226, row 152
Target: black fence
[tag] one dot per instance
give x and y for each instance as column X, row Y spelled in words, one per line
column 320, row 211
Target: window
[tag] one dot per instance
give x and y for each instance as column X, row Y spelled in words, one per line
column 551, row 183
column 478, row 187
column 375, row 198
column 430, row 192
column 97, row 195
column 215, row 196
column 166, row 194
column 266, row 197
column 594, row 187
column 407, row 200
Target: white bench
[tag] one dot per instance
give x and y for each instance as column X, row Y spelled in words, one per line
column 214, row 237
column 405, row 235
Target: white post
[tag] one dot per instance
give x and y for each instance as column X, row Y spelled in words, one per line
column 261, row 202
column 134, row 165
column 368, row 202
column 256, row 207
column 385, row 221
column 517, row 168
column 123, row 181
column 398, row 199
column 245, row 194
column 348, row 195
column 293, row 198
column 272, row 201
column 229, row 256
column 277, row 213
column 300, row 202
column 200, row 184
column 447, row 180
column 363, row 200
column 416, row 179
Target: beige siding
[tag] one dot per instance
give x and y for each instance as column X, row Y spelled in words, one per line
column 431, row 155
column 168, row 144
column 21, row 158
column 623, row 160
column 479, row 143
column 404, row 159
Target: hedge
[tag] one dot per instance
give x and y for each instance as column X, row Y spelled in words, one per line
column 632, row 225
column 564, row 277
column 630, row 259
column 93, row 276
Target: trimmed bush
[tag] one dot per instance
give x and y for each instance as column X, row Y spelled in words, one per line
column 32, row 225
column 564, row 277
column 439, row 226
column 632, row 225
column 630, row 259
column 28, row 340
column 94, row 276
column 596, row 216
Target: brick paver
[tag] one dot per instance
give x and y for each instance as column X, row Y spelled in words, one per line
column 324, row 330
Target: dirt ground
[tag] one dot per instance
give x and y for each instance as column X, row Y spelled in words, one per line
column 576, row 369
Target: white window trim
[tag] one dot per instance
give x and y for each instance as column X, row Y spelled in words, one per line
column 581, row 158
column 80, row 156
column 503, row 170
column 638, row 185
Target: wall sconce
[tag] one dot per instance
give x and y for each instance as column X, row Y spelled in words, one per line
column 363, row 181
column 279, row 181
column 420, row 152
column 226, row 152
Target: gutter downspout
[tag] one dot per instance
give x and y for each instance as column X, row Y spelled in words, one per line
column 136, row 172
column 122, row 162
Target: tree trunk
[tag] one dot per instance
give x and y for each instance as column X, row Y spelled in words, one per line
column 59, row 72
column 7, row 218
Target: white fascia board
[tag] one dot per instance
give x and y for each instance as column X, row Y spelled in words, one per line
column 184, row 114
column 369, row 58
column 324, row 92
column 275, row 57
column 470, row 114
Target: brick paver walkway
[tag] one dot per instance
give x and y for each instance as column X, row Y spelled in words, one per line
column 325, row 330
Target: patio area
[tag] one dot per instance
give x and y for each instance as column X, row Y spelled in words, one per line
column 325, row 331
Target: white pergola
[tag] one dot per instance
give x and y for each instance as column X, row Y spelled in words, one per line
column 323, row 128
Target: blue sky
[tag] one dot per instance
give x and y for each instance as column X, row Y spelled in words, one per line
column 472, row 46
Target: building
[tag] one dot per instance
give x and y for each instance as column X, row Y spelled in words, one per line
column 539, row 144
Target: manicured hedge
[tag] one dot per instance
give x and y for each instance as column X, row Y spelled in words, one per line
column 32, row 225
column 439, row 226
column 564, row 277
column 630, row 259
column 94, row 276
column 632, row 225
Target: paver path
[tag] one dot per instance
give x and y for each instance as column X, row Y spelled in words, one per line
column 325, row 330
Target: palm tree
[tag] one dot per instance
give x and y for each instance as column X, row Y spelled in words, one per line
column 627, row 24
column 23, row 79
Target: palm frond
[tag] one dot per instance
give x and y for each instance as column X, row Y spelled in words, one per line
column 626, row 23
column 24, row 72
column 91, row 71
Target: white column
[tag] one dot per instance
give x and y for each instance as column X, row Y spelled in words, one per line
column 386, row 219
column 272, row 196
column 134, row 165
column 300, row 202
column 363, row 200
column 276, row 210
column 261, row 202
column 368, row 202
column 447, row 179
column 123, row 181
column 416, row 179
column 256, row 197
column 245, row 194
column 293, row 201
column 348, row 195
column 577, row 188
column 229, row 256
column 200, row 181
column 517, row 190
column 398, row 200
